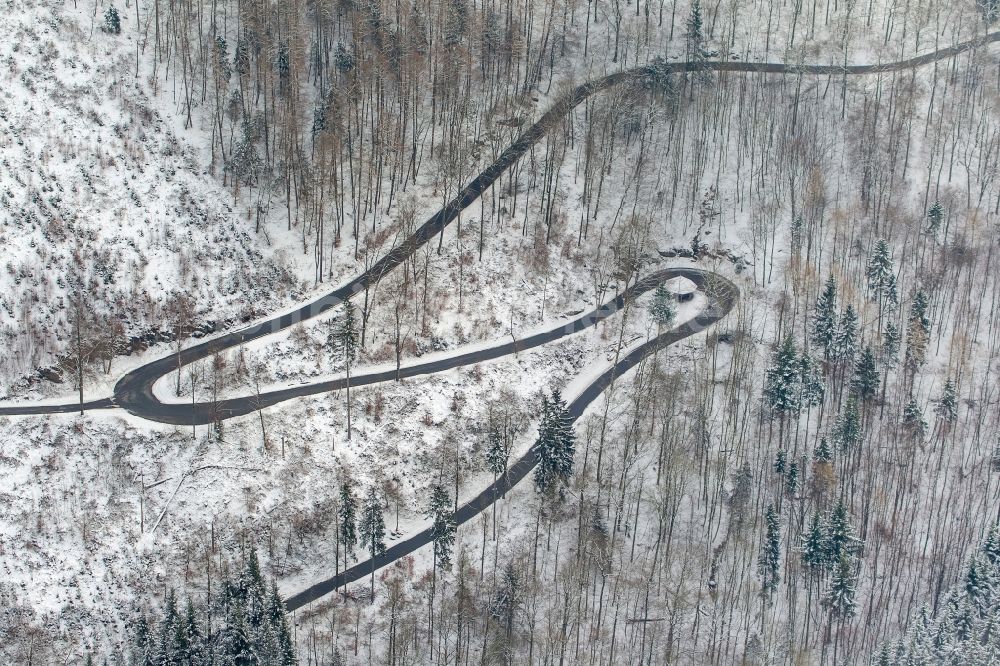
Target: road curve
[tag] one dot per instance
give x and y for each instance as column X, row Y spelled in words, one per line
column 134, row 391
column 722, row 296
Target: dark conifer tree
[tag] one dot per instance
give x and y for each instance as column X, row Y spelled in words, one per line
column 991, row 545
column 865, row 382
column 847, row 433
column 507, row 598
column 694, row 33
column 769, row 560
column 443, row 529
column 846, row 343
column 934, row 217
column 840, row 598
column 918, row 331
column 497, row 450
column 372, row 530
column 913, row 419
column 112, row 21
column 947, row 406
column 144, row 643
column 822, row 453
column 348, row 517
column 813, row 547
column 890, row 345
column 662, row 308
column 781, row 379
column 345, row 336
column 824, row 326
column 841, row 539
column 810, row 382
column 780, row 460
column 880, row 272
column 792, row 479
column 555, row 447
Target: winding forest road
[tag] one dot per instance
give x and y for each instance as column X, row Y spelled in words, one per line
column 134, row 391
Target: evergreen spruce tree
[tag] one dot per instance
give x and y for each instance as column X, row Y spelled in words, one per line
column 890, row 301
column 197, row 651
column 222, row 66
column 781, row 379
column 443, row 529
column 280, row 648
column 497, row 450
column 780, row 460
column 233, row 640
column 348, row 517
column 865, row 382
column 947, row 406
column 810, row 382
column 555, row 447
column 507, row 598
column 918, row 331
column 167, row 647
column 143, row 643
column 824, row 326
column 346, row 337
column 841, row 539
column 846, row 343
column 847, row 432
column 991, row 546
column 976, row 583
column 251, row 593
column 241, row 56
column 840, row 598
column 822, row 453
column 961, row 617
column 813, row 547
column 181, row 640
column 890, row 345
column 662, row 308
column 880, row 272
column 372, row 530
column 245, row 163
column 934, row 217
column 796, row 230
column 112, row 21
column 694, row 33
column 769, row 560
column 913, row 419
column 792, row 479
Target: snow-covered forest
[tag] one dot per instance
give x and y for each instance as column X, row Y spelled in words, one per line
column 797, row 463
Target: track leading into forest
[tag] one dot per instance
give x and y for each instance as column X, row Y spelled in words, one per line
column 134, row 391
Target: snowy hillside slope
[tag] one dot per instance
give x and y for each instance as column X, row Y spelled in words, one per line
column 94, row 176
column 103, row 511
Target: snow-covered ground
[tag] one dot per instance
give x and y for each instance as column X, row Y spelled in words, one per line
column 104, row 510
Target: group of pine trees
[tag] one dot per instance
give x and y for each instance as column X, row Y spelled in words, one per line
column 362, row 525
column 852, row 370
column 964, row 627
column 830, row 546
column 244, row 623
column 795, row 380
